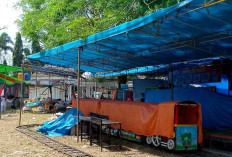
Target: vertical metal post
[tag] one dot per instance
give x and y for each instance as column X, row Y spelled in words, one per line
column 78, row 93
column 171, row 82
column 21, row 101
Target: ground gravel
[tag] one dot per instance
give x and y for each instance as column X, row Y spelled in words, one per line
column 14, row 143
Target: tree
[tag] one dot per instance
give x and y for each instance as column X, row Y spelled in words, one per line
column 35, row 46
column 5, row 40
column 26, row 52
column 52, row 23
column 4, row 61
column 18, row 51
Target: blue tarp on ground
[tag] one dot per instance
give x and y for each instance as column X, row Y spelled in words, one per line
column 60, row 126
column 216, row 108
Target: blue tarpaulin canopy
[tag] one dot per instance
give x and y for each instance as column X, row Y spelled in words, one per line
column 190, row 30
column 161, row 68
column 53, row 70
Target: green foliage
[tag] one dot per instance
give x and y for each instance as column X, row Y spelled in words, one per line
column 18, row 51
column 92, row 79
column 101, row 79
column 26, row 51
column 5, row 40
column 50, row 23
column 4, row 62
column 35, row 46
column 129, row 78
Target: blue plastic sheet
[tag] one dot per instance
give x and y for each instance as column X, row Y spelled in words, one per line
column 33, row 104
column 216, row 108
column 184, row 32
column 139, row 85
column 62, row 125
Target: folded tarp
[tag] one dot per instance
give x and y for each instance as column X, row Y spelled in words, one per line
column 216, row 108
column 60, row 126
column 138, row 117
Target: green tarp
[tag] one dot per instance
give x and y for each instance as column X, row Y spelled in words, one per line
column 6, row 68
column 11, row 81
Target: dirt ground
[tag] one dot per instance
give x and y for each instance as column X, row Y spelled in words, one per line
column 14, row 143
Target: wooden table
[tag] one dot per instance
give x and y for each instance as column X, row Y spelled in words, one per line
column 100, row 122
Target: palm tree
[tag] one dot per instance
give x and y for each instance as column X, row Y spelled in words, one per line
column 5, row 40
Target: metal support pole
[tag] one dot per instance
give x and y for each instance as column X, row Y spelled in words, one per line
column 78, row 93
column 21, row 101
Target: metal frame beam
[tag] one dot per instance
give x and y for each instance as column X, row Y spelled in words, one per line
column 186, row 45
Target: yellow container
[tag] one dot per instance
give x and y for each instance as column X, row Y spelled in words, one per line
column 20, row 76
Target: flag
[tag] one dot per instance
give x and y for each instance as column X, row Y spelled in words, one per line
column 2, row 90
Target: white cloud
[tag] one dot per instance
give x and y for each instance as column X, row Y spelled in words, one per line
column 8, row 16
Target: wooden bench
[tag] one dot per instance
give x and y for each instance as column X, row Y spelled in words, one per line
column 212, row 135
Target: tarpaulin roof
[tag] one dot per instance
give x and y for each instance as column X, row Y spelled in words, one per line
column 160, row 68
column 189, row 30
column 9, row 80
column 53, row 70
column 6, row 68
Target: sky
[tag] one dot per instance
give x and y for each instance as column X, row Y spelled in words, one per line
column 8, row 16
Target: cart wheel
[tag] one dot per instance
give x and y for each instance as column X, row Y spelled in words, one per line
column 171, row 144
column 148, row 140
column 156, row 140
